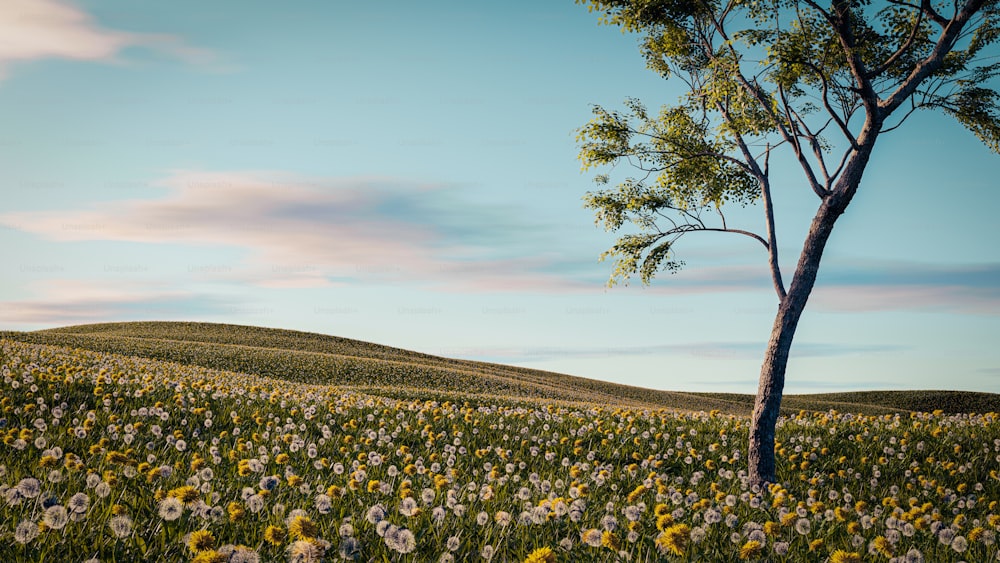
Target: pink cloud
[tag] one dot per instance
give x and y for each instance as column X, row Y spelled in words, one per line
column 65, row 302
column 40, row 29
column 305, row 232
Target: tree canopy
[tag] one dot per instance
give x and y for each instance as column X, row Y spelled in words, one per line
column 764, row 76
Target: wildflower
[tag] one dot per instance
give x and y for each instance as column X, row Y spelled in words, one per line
column 79, row 502
column 121, row 526
column 841, row 556
column 591, row 537
column 375, row 514
column 171, row 508
column 541, row 555
column 610, row 540
column 750, row 549
column 674, row 539
column 305, row 551
column 201, row 540
column 959, row 544
column 55, row 517
column 29, row 487
column 211, row 556
column 487, row 552
column 913, row 556
column 302, row 528
column 881, row 545
column 802, row 526
column 25, row 532
column 274, row 535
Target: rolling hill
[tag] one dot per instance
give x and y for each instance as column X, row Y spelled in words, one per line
column 320, row 359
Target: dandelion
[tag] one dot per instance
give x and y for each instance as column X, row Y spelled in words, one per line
column 913, row 556
column 591, row 537
column 453, row 543
column 274, row 535
column 751, row 549
column 959, row 544
column 541, row 555
column 375, row 514
column 79, row 503
column 211, row 556
column 302, row 528
column 304, row 551
column 201, row 540
column 25, row 532
column 802, row 526
column 487, row 552
column 121, row 526
column 674, row 539
column 29, row 487
column 841, row 556
column 56, row 517
column 171, row 508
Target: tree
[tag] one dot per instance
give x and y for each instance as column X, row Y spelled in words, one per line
column 783, row 78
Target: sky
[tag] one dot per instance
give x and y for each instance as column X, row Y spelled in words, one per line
column 405, row 173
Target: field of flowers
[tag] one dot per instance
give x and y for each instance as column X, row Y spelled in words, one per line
column 115, row 458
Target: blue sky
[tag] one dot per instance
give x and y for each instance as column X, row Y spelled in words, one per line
column 406, row 173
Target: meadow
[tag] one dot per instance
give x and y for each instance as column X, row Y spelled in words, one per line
column 115, row 457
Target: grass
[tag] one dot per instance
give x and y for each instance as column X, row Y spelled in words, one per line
column 111, row 458
column 305, row 357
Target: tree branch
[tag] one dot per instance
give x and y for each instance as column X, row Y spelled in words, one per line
column 906, row 45
column 952, row 32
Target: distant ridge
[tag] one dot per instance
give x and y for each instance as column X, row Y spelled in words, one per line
column 316, row 358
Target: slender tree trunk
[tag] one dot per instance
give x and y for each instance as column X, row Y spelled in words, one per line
column 772, row 372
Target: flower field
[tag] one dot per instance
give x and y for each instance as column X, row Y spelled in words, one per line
column 114, row 458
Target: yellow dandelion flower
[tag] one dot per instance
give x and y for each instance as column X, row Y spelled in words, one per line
column 610, row 540
column 882, row 545
column 663, row 522
column 975, row 533
column 235, row 511
column 750, row 549
column 674, row 539
column 541, row 555
column 302, row 528
column 210, row 556
column 274, row 535
column 201, row 540
column 841, row 556
column 815, row 544
column 185, row 494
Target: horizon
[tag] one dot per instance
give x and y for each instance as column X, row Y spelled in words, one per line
column 412, row 181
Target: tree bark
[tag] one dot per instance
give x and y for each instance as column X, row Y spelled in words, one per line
column 772, row 372
column 760, row 459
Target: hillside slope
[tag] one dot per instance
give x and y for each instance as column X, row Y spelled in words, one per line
column 316, row 358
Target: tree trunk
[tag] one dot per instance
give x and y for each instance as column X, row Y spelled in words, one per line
column 772, row 372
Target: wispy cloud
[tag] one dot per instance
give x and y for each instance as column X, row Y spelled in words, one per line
column 967, row 289
column 55, row 29
column 302, row 232
column 64, row 302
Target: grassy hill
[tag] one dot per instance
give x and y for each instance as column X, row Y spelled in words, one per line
column 320, row 359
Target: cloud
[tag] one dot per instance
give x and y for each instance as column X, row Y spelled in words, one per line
column 66, row 302
column 860, row 287
column 308, row 232
column 47, row 29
